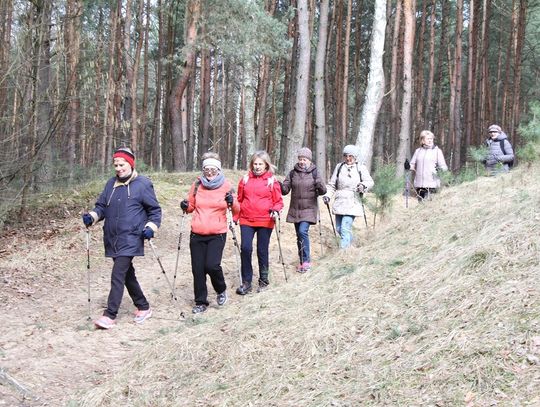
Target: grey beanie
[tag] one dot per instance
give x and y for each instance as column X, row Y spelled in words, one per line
column 305, row 152
column 495, row 127
column 351, row 150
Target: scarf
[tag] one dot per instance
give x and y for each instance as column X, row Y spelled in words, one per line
column 215, row 183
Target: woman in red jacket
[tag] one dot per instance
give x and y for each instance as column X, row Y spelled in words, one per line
column 209, row 199
column 260, row 200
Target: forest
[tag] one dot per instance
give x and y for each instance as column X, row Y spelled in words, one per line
column 176, row 78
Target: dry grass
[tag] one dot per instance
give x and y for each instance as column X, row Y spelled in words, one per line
column 440, row 306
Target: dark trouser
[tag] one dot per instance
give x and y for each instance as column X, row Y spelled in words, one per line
column 263, row 241
column 206, row 254
column 123, row 273
column 424, row 193
column 302, row 241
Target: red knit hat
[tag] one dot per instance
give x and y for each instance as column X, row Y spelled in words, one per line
column 126, row 154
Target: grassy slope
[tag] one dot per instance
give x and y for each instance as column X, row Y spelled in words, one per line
column 439, row 306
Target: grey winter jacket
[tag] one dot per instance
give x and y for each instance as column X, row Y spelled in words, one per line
column 495, row 154
column 425, row 162
column 344, row 188
column 305, row 186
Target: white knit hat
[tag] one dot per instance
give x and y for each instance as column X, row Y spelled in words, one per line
column 211, row 162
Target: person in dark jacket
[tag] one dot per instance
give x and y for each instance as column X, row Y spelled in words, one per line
column 305, row 185
column 500, row 152
column 260, row 200
column 210, row 198
column 131, row 212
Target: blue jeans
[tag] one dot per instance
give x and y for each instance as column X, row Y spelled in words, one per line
column 302, row 241
column 344, row 228
column 246, row 249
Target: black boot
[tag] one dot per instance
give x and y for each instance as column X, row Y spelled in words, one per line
column 263, row 282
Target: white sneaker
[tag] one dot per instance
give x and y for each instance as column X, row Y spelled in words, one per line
column 142, row 315
column 104, row 322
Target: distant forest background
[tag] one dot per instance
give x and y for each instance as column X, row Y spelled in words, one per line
column 175, row 78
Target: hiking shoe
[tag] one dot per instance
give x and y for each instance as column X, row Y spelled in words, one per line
column 306, row 267
column 104, row 322
column 300, row 269
column 262, row 287
column 244, row 289
column 142, row 315
column 222, row 298
column 197, row 309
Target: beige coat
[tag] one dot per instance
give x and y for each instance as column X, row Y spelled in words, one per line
column 425, row 162
column 344, row 188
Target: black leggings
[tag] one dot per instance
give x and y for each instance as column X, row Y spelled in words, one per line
column 424, row 193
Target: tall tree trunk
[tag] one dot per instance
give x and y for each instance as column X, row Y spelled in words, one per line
column 204, row 116
column 375, row 85
column 345, row 84
column 302, row 85
column 518, row 66
column 320, row 111
column 193, row 10
column 249, row 110
column 456, row 118
column 428, row 122
column 408, row 44
column 394, row 87
column 72, row 40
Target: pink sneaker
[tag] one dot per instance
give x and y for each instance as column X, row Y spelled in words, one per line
column 142, row 315
column 104, row 322
column 306, row 266
column 300, row 268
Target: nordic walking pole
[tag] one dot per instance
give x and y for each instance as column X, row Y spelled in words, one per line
column 320, row 228
column 277, row 226
column 331, row 219
column 407, row 167
column 178, row 251
column 235, row 241
column 88, row 270
column 361, row 194
column 173, row 294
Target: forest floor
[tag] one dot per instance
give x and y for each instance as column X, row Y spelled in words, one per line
column 49, row 349
column 439, row 305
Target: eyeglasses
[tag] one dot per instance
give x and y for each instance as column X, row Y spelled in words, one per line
column 210, row 170
column 348, row 155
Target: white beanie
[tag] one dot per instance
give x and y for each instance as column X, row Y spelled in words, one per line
column 211, row 162
column 351, row 150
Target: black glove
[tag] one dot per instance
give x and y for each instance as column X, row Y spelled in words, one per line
column 184, row 205
column 87, row 219
column 274, row 214
column 360, row 188
column 229, row 198
column 326, row 200
column 147, row 233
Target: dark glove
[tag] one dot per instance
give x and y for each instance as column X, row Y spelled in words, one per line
column 491, row 161
column 184, row 205
column 147, row 233
column 274, row 214
column 326, row 200
column 360, row 188
column 229, row 198
column 87, row 219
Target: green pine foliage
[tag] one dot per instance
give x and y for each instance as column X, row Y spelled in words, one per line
column 477, row 155
column 387, row 185
column 530, row 132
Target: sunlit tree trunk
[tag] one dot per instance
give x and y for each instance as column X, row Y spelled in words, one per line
column 408, row 44
column 375, row 85
column 302, row 85
column 320, row 111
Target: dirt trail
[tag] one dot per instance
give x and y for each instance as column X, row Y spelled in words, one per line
column 48, row 345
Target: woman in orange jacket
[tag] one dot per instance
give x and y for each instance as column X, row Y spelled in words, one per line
column 209, row 199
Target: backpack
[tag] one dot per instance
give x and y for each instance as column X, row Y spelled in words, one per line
column 510, row 163
column 270, row 180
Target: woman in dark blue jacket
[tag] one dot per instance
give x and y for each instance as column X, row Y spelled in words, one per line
column 131, row 212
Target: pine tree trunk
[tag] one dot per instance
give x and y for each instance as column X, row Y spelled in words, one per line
column 408, row 45
column 302, row 85
column 320, row 111
column 375, row 85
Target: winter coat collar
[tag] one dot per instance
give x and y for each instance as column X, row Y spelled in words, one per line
column 118, row 183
